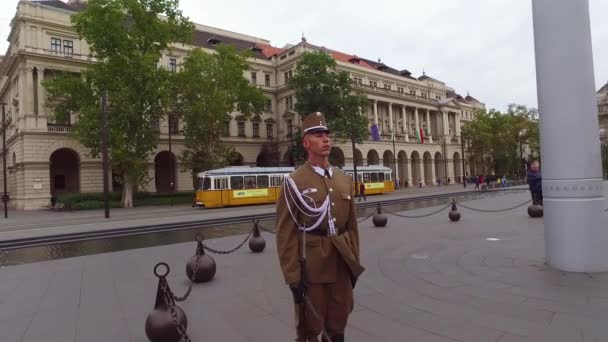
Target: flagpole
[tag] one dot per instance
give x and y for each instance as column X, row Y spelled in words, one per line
column 396, row 179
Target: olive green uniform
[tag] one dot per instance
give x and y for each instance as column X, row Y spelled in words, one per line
column 332, row 261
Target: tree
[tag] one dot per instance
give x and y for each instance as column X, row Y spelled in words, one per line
column 320, row 87
column 211, row 87
column 496, row 140
column 127, row 39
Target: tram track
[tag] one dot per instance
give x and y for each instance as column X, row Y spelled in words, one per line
column 28, row 242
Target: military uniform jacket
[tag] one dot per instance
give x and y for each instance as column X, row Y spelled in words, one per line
column 322, row 251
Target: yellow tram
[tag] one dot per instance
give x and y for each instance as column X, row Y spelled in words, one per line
column 245, row 185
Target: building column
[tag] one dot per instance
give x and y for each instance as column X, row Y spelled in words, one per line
column 41, row 91
column 390, row 117
column 376, row 112
column 433, row 175
column 405, row 127
column 576, row 227
column 458, row 116
column 417, row 121
column 22, row 90
column 428, row 126
column 444, row 123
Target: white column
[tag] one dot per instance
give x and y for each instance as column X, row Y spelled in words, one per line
column 41, row 91
column 390, row 117
column 458, row 116
column 404, row 119
column 417, row 121
column 576, row 231
column 375, row 112
column 428, row 134
column 444, row 122
column 433, row 176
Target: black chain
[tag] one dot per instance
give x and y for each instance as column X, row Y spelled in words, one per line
column 366, row 218
column 217, row 251
column 419, row 216
column 171, row 305
column 494, row 210
column 267, row 230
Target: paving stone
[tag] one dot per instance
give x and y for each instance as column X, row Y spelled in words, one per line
column 426, row 280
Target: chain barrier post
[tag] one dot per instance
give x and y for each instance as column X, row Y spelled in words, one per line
column 454, row 215
column 379, row 219
column 256, row 241
column 201, row 267
column 535, row 209
column 167, row 322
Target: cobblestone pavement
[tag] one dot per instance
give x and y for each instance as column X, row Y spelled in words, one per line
column 427, row 280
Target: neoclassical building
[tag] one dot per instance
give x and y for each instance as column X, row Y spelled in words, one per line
column 602, row 106
column 43, row 160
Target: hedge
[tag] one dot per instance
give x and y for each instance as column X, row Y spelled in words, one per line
column 87, row 201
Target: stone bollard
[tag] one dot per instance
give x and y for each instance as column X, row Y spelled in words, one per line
column 201, row 267
column 168, row 322
column 256, row 241
column 454, row 215
column 535, row 210
column 379, row 219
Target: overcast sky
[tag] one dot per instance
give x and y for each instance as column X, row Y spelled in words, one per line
column 484, row 47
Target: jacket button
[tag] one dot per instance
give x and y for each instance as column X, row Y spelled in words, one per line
column 330, row 189
column 334, row 219
column 348, row 197
column 333, row 204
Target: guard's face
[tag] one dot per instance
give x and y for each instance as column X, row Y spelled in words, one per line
column 317, row 143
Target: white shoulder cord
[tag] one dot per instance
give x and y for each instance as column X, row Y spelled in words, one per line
column 319, row 213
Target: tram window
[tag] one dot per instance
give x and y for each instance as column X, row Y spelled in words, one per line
column 374, row 176
column 388, row 176
column 236, row 182
column 249, row 182
column 366, row 178
column 224, row 183
column 276, row 181
column 380, row 177
column 206, row 183
column 262, row 181
column 216, row 184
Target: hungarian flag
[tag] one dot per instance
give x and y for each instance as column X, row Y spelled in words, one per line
column 417, row 133
column 421, row 135
column 375, row 133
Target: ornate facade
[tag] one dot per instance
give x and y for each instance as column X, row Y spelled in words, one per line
column 43, row 160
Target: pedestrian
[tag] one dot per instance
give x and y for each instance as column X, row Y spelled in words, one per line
column 534, row 181
column 317, row 238
column 362, row 192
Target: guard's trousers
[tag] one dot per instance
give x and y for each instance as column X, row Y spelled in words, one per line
column 333, row 302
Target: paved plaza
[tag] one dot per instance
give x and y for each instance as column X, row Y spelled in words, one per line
column 427, row 280
column 23, row 224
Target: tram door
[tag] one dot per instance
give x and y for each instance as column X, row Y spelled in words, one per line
column 221, row 184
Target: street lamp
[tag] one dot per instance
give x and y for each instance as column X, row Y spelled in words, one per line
column 463, row 173
column 5, row 194
column 291, row 156
column 104, row 154
column 396, row 179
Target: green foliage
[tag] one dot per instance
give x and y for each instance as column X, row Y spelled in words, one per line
column 497, row 141
column 88, row 201
column 127, row 39
column 211, row 87
column 320, row 87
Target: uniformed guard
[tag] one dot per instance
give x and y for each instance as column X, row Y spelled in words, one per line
column 318, row 239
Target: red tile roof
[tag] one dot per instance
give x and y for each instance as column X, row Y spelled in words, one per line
column 344, row 57
column 268, row 50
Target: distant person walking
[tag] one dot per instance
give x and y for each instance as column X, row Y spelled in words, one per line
column 362, row 192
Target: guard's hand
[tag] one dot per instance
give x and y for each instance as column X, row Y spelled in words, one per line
column 298, row 289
